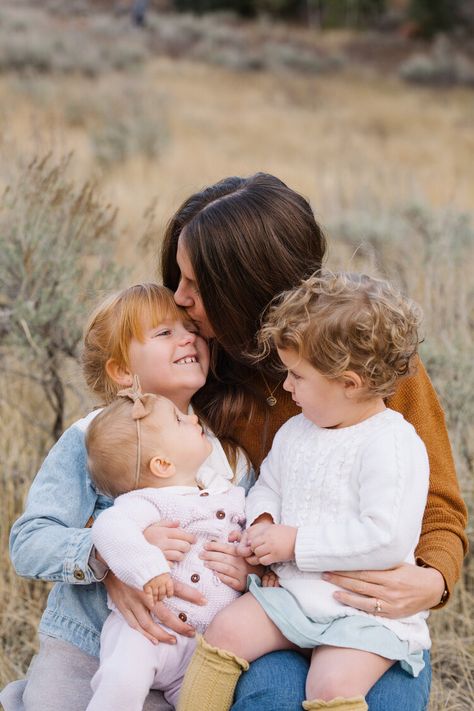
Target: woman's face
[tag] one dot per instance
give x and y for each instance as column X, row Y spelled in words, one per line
column 187, row 294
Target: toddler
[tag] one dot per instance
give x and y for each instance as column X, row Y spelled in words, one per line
column 148, row 454
column 343, row 488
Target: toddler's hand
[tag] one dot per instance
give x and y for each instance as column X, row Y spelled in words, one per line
column 159, row 587
column 272, row 543
column 270, row 580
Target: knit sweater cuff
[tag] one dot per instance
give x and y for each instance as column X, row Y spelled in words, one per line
column 445, row 562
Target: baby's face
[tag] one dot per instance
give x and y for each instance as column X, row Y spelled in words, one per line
column 180, row 437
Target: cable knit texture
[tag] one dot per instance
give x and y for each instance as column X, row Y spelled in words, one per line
column 357, row 495
column 443, row 541
column 209, row 514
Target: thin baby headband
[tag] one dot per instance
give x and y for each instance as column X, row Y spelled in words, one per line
column 142, row 407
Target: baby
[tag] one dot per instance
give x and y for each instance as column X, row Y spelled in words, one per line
column 144, row 451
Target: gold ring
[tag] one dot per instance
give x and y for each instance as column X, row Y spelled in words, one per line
column 378, row 606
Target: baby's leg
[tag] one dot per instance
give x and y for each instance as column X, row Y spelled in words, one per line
column 240, row 633
column 128, row 663
column 345, row 674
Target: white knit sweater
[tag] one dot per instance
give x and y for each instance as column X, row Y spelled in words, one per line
column 209, row 514
column 357, row 495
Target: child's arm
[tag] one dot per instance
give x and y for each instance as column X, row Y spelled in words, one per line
column 265, row 496
column 118, row 536
column 49, row 541
column 393, row 485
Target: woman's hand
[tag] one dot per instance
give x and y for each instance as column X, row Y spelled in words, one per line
column 399, row 592
column 173, row 542
column 229, row 566
column 136, row 608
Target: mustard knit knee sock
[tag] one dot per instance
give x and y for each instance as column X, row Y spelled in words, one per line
column 210, row 679
column 357, row 703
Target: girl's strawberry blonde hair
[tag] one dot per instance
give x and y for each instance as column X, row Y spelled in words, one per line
column 343, row 321
column 121, row 317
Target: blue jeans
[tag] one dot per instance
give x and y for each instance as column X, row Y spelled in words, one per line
column 276, row 682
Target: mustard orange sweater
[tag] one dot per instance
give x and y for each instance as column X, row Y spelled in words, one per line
column 443, row 542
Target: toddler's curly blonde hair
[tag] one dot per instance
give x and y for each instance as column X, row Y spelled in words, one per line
column 342, row 321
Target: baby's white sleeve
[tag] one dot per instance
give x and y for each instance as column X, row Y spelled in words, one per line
column 118, row 536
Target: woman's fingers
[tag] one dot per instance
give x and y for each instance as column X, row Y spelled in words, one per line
column 233, row 583
column 191, row 594
column 355, row 584
column 400, row 592
column 219, row 551
column 171, row 619
column 220, row 566
column 140, row 619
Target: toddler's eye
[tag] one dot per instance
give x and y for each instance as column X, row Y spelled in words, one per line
column 163, row 332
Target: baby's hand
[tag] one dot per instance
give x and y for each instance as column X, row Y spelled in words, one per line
column 270, row 580
column 159, row 587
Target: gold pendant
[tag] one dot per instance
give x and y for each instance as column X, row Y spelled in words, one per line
column 271, row 400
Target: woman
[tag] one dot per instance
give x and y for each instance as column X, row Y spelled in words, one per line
column 227, row 252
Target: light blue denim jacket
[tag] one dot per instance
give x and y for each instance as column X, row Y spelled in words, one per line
column 50, row 540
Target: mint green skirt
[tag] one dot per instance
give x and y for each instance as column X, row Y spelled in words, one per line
column 353, row 631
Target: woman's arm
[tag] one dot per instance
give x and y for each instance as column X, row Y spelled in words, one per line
column 49, row 541
column 443, row 542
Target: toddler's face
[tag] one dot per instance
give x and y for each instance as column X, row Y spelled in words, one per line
column 322, row 400
column 181, row 438
column 172, row 360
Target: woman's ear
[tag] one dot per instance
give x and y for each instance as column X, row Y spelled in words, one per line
column 162, row 468
column 353, row 383
column 119, row 373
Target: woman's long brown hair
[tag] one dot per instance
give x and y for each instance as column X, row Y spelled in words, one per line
column 248, row 239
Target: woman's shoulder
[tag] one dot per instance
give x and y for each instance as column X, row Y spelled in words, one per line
column 83, row 423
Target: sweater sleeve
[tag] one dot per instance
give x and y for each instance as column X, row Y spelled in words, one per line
column 392, row 487
column 265, row 495
column 118, row 536
column 443, row 542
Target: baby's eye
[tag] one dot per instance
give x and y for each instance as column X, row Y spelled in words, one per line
column 163, row 332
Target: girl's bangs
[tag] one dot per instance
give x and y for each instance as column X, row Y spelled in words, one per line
column 150, row 307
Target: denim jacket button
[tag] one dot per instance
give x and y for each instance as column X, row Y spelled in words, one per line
column 79, row 574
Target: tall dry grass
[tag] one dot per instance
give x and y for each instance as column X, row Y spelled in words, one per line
column 389, row 172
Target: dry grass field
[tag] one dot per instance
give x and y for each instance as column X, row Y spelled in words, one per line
column 389, row 171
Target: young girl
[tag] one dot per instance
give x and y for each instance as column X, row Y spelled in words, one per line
column 139, row 330
column 150, row 455
column 344, row 487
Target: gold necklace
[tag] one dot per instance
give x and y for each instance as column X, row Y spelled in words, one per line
column 271, row 399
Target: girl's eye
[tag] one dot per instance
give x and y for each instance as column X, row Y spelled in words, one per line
column 163, row 332
column 178, row 419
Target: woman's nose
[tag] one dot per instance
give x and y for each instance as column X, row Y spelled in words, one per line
column 183, row 296
column 287, row 385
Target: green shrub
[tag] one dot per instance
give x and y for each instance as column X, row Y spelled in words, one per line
column 56, row 242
